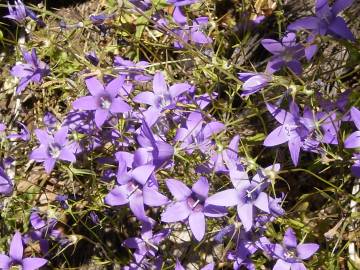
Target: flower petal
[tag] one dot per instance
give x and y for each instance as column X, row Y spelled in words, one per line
column 177, row 211
column 245, row 213
column 117, row 196
column 289, row 239
column 16, row 247
column 86, row 103
column 197, row 225
column 305, row 251
column 94, row 86
column 229, row 197
column 118, row 105
column 178, row 189
column 201, row 187
column 33, row 263
column 154, row 198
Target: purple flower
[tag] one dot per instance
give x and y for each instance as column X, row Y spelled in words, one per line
column 23, row 134
column 17, row 12
column 246, row 195
column 52, row 148
column 196, row 133
column 103, row 100
column 290, row 255
column 192, row 33
column 209, row 266
column 6, row 186
column 163, row 98
column 191, row 205
column 50, row 122
column 92, row 58
column 33, row 71
column 286, row 53
column 152, row 150
column 291, row 130
column 147, row 244
column 137, row 187
column 253, row 82
column 224, row 159
column 42, row 230
column 325, row 22
column 240, row 256
column 298, row 130
column 353, row 140
column 15, row 257
column 179, row 3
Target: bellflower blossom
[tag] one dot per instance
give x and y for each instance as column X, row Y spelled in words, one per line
column 190, row 205
column 286, row 53
column 152, row 150
column 196, row 133
column 291, row 130
column 137, row 187
column 253, row 82
column 103, row 100
column 6, row 186
column 192, row 33
column 245, row 195
column 163, row 98
column 325, row 21
column 353, row 140
column 290, row 254
column 147, row 244
column 42, row 230
column 32, row 71
column 133, row 72
column 16, row 254
column 53, row 148
column 17, row 12
column 298, row 130
column 224, row 159
column 179, row 3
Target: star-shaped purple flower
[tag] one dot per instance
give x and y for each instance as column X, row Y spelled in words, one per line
column 286, row 53
column 53, row 148
column 137, row 187
column 6, row 186
column 326, row 20
column 33, row 71
column 162, row 98
column 16, row 254
column 245, row 195
column 103, row 100
column 290, row 254
column 191, row 205
column 147, row 244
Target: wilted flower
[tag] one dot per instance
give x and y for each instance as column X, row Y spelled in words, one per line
column 209, row 266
